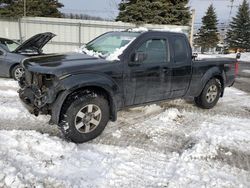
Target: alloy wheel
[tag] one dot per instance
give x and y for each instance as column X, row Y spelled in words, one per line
column 212, row 93
column 18, row 73
column 88, row 118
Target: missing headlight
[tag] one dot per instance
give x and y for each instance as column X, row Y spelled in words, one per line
column 48, row 80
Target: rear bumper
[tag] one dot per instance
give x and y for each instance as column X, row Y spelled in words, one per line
column 230, row 80
column 230, row 85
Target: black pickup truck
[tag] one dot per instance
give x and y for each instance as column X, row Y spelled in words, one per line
column 82, row 93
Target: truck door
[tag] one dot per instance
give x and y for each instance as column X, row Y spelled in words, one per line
column 149, row 80
column 181, row 65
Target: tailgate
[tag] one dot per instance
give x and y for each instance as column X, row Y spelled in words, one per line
column 231, row 71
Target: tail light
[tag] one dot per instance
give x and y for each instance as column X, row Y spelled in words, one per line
column 236, row 69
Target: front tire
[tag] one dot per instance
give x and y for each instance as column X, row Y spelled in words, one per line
column 85, row 118
column 210, row 95
column 17, row 72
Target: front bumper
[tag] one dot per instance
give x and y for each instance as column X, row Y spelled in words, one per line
column 37, row 101
column 27, row 98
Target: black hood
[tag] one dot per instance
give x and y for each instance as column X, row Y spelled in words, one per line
column 59, row 64
column 36, row 42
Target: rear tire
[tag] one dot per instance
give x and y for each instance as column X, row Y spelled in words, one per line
column 17, row 72
column 85, row 118
column 209, row 95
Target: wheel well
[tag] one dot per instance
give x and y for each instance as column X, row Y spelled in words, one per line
column 11, row 69
column 89, row 90
column 221, row 81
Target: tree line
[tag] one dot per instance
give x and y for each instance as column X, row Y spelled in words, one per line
column 39, row 8
column 238, row 33
column 134, row 11
column 172, row 12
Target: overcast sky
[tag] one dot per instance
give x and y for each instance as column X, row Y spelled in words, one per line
column 107, row 8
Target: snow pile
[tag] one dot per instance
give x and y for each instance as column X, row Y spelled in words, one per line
column 143, row 29
column 172, row 145
column 171, row 114
column 115, row 56
column 8, row 93
column 150, row 109
column 202, row 150
column 228, row 132
column 110, row 57
column 30, row 159
column 138, row 29
column 8, row 83
column 244, row 56
column 211, row 56
column 83, row 49
column 176, row 30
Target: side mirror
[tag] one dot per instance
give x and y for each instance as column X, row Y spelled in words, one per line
column 1, row 52
column 238, row 55
column 139, row 57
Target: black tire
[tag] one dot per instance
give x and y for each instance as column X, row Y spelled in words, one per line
column 16, row 71
column 68, row 124
column 205, row 100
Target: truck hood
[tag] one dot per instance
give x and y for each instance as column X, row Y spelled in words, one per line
column 36, row 42
column 61, row 64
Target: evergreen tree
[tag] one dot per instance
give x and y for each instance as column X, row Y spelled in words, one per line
column 238, row 36
column 154, row 12
column 43, row 8
column 207, row 37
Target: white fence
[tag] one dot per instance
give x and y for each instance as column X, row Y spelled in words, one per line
column 70, row 33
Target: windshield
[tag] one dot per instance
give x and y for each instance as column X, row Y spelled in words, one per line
column 9, row 44
column 110, row 42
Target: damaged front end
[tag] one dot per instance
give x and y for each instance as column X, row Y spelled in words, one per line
column 37, row 92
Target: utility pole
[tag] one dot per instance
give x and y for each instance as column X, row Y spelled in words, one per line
column 231, row 8
column 24, row 18
column 192, row 28
column 24, row 8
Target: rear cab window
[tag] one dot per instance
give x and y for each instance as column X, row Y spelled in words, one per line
column 180, row 48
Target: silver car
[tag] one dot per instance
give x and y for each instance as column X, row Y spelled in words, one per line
column 12, row 53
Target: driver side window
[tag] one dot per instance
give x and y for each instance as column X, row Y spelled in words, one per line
column 156, row 50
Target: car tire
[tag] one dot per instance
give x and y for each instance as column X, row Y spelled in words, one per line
column 209, row 95
column 17, row 72
column 85, row 118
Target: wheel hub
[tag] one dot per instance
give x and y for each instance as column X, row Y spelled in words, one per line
column 212, row 93
column 88, row 118
column 19, row 73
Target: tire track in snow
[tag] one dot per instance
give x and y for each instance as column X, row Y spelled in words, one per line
column 135, row 132
column 141, row 149
column 129, row 130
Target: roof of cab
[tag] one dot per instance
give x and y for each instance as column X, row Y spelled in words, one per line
column 153, row 31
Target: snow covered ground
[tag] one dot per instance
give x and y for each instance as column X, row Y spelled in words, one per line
column 173, row 144
column 244, row 56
